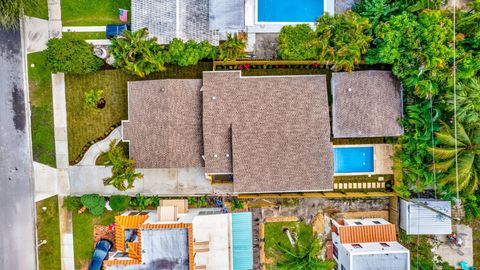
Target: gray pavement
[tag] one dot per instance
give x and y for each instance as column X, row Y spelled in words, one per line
column 17, row 227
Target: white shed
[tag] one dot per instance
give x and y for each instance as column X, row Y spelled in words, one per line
column 417, row 219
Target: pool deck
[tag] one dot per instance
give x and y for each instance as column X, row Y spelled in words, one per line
column 382, row 157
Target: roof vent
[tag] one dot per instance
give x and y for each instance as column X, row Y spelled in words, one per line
column 227, row 155
column 215, row 155
column 214, row 98
column 163, row 89
column 349, row 89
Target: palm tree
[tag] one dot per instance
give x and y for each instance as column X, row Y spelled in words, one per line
column 138, row 54
column 468, row 152
column 303, row 254
column 123, row 173
column 232, row 48
column 468, row 102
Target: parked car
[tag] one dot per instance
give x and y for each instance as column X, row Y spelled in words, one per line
column 114, row 30
column 100, row 254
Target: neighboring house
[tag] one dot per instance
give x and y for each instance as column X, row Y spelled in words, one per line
column 366, row 244
column 174, row 237
column 366, row 104
column 418, row 219
column 266, row 133
column 188, row 19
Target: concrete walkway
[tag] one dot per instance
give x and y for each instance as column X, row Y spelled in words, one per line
column 84, row 29
column 66, row 232
column 162, row 182
column 36, row 32
column 45, row 181
column 102, row 146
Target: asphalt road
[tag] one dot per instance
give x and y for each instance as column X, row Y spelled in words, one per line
column 17, row 213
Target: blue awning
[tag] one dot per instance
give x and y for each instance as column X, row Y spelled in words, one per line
column 242, row 241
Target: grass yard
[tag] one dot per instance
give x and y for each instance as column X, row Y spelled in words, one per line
column 83, row 244
column 48, row 228
column 475, row 224
column 85, row 124
column 41, row 104
column 93, row 12
column 41, row 11
column 85, row 35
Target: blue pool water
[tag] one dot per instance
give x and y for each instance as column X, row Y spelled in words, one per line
column 289, row 10
column 353, row 159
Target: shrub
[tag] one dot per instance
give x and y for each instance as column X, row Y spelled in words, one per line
column 137, row 54
column 122, row 168
column 295, row 42
column 94, row 203
column 71, row 56
column 189, row 53
column 232, row 48
column 140, row 202
column 94, row 98
column 11, row 12
column 119, row 202
column 72, row 203
column 236, row 204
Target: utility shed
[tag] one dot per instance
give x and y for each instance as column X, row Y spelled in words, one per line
column 416, row 219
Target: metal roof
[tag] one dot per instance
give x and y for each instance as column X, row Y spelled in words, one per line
column 242, row 241
column 415, row 219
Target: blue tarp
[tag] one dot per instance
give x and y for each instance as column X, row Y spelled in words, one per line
column 242, row 241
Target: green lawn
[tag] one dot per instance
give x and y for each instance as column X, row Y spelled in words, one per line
column 40, row 87
column 93, row 12
column 85, row 35
column 84, row 124
column 83, row 244
column 48, row 228
column 41, row 11
column 274, row 234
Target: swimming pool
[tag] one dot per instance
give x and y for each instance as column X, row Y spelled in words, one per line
column 353, row 159
column 289, row 10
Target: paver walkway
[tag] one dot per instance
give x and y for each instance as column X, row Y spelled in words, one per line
column 102, row 146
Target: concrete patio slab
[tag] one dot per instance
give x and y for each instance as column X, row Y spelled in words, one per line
column 452, row 254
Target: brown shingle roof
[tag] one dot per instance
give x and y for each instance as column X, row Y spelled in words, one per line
column 165, row 126
column 279, row 129
column 368, row 234
column 372, row 108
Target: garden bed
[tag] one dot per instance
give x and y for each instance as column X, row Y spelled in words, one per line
column 41, row 105
column 48, row 228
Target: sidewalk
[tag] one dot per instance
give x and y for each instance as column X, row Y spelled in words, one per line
column 84, row 29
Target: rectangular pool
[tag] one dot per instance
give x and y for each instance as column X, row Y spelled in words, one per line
column 353, row 159
column 289, row 10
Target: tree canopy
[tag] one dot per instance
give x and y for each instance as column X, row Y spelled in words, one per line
column 73, row 56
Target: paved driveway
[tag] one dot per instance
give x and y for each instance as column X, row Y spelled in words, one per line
column 17, row 217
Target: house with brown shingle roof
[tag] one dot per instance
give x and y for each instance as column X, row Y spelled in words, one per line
column 366, row 104
column 265, row 133
column 362, row 244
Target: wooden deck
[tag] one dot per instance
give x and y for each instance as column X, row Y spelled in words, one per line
column 383, row 158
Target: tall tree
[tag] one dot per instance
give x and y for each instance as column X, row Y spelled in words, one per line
column 232, row 48
column 303, row 254
column 468, row 102
column 468, row 153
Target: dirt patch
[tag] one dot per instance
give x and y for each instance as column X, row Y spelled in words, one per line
column 102, row 232
column 369, row 214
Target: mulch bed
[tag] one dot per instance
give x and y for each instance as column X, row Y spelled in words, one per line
column 102, row 232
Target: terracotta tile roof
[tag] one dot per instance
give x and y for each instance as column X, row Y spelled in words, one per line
column 273, row 133
column 165, row 123
column 367, row 233
column 134, row 250
column 371, row 109
column 126, row 222
column 120, row 262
